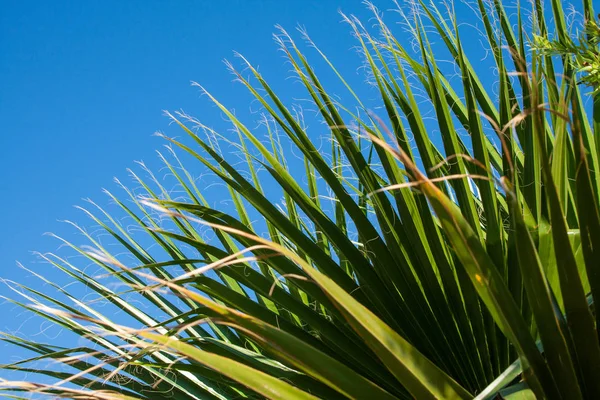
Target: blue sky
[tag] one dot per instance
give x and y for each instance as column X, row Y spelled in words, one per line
column 82, row 89
column 83, row 86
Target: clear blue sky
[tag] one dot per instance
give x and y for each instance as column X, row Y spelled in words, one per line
column 82, row 89
column 83, row 85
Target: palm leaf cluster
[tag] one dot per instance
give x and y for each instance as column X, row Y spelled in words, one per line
column 450, row 265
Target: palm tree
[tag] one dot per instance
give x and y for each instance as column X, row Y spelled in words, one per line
column 397, row 265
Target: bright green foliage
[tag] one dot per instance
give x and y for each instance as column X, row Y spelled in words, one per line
column 447, row 268
column 584, row 52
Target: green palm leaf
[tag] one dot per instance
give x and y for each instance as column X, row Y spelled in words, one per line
column 445, row 246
